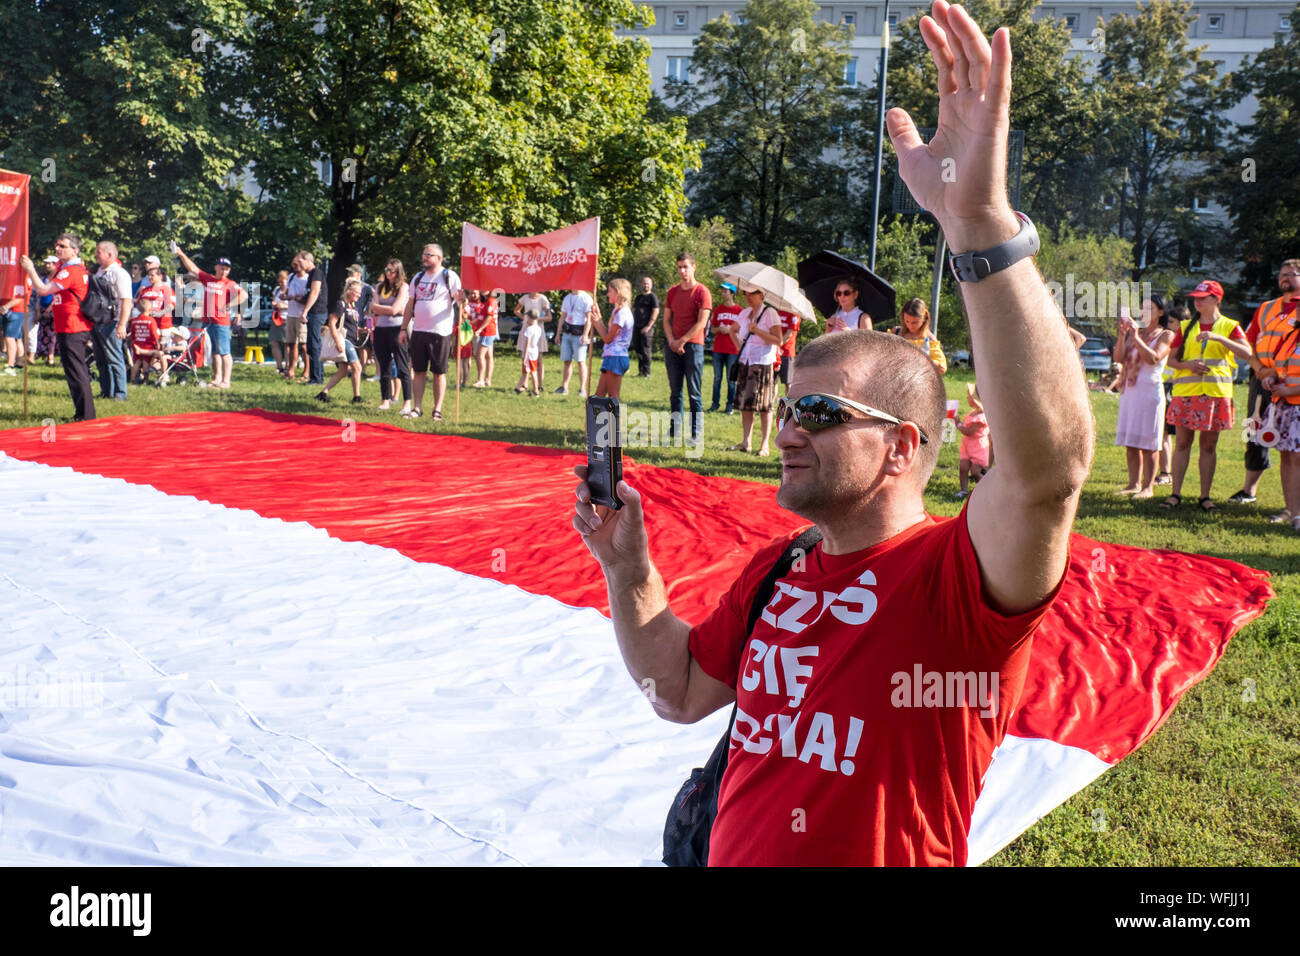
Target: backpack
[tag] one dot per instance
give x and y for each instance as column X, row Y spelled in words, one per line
column 457, row 313
column 690, row 818
column 100, row 304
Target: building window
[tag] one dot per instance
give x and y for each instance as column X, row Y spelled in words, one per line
column 1072, row 22
column 893, row 20
column 679, row 68
column 741, row 19
column 1284, row 24
column 851, row 72
column 680, row 20
column 848, row 19
column 1214, row 23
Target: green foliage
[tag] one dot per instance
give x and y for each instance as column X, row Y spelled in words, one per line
column 1052, row 101
column 1162, row 98
column 708, row 242
column 111, row 110
column 767, row 96
column 1259, row 179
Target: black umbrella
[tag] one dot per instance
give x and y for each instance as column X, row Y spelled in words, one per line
column 819, row 275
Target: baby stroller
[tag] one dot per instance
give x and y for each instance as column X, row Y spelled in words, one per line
column 182, row 355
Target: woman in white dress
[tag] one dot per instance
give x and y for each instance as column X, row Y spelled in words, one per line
column 1143, row 351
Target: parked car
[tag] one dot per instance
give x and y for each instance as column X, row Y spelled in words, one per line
column 961, row 357
column 1095, row 355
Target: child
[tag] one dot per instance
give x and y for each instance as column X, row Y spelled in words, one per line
column 616, row 336
column 145, row 346
column 973, row 459
column 531, row 347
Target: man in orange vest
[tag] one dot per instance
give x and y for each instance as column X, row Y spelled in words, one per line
column 1288, row 282
column 1203, row 358
column 1277, row 366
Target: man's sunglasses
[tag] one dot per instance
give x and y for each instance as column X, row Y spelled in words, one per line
column 815, row 413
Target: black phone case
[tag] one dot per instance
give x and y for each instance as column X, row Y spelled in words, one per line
column 604, row 452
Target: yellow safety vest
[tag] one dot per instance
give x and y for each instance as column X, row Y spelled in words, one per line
column 1276, row 332
column 1217, row 381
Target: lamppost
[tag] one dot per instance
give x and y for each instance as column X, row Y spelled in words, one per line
column 880, row 133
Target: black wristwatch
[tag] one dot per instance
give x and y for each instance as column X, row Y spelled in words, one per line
column 973, row 266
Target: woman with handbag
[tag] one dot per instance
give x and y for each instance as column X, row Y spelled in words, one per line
column 758, row 341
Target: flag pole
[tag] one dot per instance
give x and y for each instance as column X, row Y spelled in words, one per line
column 27, row 314
column 595, row 300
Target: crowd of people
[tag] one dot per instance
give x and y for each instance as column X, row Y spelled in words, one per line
column 1175, row 381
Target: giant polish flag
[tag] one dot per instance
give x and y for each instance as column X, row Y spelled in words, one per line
column 256, row 638
column 563, row 259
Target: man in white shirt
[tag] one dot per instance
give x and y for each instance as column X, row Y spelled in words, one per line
column 429, row 324
column 575, row 333
column 110, row 336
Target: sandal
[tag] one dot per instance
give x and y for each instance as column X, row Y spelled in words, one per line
column 1172, row 502
column 1207, row 504
column 1282, row 517
column 738, row 448
column 437, row 416
column 1164, row 478
column 413, row 413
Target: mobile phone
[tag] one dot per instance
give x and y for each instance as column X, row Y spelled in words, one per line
column 604, row 452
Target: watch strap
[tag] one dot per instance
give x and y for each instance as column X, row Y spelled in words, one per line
column 974, row 266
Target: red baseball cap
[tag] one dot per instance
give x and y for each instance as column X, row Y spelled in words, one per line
column 1208, row 287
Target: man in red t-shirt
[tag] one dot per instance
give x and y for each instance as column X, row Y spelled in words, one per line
column 68, row 285
column 687, row 307
column 789, row 332
column 883, row 671
column 220, row 294
column 721, row 322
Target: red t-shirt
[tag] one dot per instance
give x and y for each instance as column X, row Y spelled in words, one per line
column 484, row 316
column 686, row 308
column 842, row 751
column 144, row 332
column 23, row 293
column 1236, row 335
column 218, row 294
column 789, row 323
column 71, row 282
column 722, row 343
column 160, row 300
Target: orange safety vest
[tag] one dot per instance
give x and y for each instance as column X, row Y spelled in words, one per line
column 1276, row 346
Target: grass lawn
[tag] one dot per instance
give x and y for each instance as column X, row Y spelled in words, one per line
column 1219, row 784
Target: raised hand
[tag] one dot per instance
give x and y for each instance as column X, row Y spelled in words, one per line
column 617, row 539
column 960, row 175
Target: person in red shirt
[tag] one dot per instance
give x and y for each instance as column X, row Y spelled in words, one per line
column 68, row 285
column 155, row 298
column 145, row 347
column 687, row 308
column 722, row 322
column 485, row 338
column 882, row 673
column 789, row 332
column 220, row 294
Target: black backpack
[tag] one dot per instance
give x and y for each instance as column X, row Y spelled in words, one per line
column 100, row 304
column 690, row 819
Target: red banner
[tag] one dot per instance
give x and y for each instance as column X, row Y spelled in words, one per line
column 564, row 259
column 13, row 233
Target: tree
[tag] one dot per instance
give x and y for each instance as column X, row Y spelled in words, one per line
column 767, row 98
column 518, row 115
column 110, row 109
column 1051, row 100
column 1162, row 101
column 1260, row 178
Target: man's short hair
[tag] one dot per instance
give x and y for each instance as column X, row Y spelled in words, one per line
column 1293, row 263
column 895, row 377
column 307, row 257
column 685, row 257
column 71, row 238
column 356, row 269
column 433, row 245
column 110, row 247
